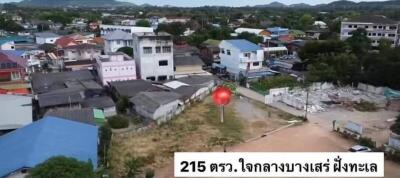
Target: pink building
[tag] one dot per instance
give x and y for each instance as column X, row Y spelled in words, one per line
column 116, row 67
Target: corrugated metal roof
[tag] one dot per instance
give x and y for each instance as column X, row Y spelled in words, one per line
column 48, row 137
column 244, row 45
column 16, row 111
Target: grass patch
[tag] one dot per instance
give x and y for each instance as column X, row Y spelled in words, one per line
column 231, row 129
column 365, row 106
column 264, row 84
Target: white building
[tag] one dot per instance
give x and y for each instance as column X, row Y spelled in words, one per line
column 116, row 67
column 377, row 27
column 265, row 34
column 7, row 45
column 240, row 56
column 104, row 29
column 81, row 52
column 46, row 37
column 16, row 111
column 117, row 39
column 320, row 24
column 153, row 54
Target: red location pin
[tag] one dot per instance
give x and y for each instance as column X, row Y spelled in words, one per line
column 222, row 96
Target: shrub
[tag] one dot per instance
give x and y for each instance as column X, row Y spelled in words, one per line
column 61, row 166
column 396, row 126
column 133, row 166
column 105, row 139
column 368, row 142
column 394, row 156
column 149, row 173
column 365, row 106
column 118, row 122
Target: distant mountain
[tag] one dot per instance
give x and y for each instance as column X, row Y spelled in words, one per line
column 73, row 3
column 300, row 5
column 274, row 4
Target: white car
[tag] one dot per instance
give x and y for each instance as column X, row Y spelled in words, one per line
column 359, row 148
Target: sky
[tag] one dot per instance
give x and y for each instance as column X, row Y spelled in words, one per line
column 194, row 3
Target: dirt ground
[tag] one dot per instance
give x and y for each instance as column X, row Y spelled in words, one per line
column 194, row 130
column 308, row 137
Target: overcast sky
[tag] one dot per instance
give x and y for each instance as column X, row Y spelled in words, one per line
column 191, row 3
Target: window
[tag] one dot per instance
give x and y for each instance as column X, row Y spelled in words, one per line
column 366, row 26
column 163, row 63
column 392, row 27
column 355, row 26
column 222, row 51
column 391, row 35
column 350, row 26
column 158, row 49
column 147, row 50
column 373, row 34
column 256, row 63
column 228, row 52
column 380, row 27
column 246, row 54
column 152, row 78
column 374, row 26
column 3, row 65
column 162, row 78
column 166, row 49
column 369, row 34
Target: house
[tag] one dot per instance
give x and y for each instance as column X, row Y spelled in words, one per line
column 153, row 53
column 105, row 29
column 87, row 64
column 103, row 103
column 159, row 106
column 16, row 112
column 209, row 51
column 187, row 61
column 33, row 144
column 314, row 34
column 196, row 87
column 64, row 42
column 7, row 45
column 265, row 34
column 131, row 88
column 378, row 27
column 115, row 67
column 240, row 57
column 83, row 51
column 278, row 31
column 85, row 115
column 12, row 67
column 46, row 37
column 117, row 39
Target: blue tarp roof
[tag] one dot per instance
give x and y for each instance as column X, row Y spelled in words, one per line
column 15, row 53
column 244, row 45
column 51, row 136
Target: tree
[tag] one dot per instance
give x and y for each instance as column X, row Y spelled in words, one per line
column 122, row 104
column 105, row 140
column 133, row 166
column 250, row 37
column 143, row 23
column 306, row 20
column 312, row 50
column 384, row 44
column 359, row 42
column 63, row 167
column 10, row 25
column 127, row 50
column 175, row 29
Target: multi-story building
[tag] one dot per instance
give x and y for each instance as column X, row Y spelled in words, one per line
column 153, row 53
column 117, row 39
column 104, row 29
column 377, row 27
column 116, row 67
column 240, row 56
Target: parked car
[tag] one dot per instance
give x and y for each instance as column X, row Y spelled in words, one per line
column 359, row 148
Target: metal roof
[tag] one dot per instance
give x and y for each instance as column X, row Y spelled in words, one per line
column 244, row 45
column 43, row 139
column 16, row 111
column 151, row 101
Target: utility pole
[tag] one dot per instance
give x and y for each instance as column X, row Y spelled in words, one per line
column 222, row 114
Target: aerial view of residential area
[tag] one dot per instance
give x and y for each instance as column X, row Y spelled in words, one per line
column 190, row 88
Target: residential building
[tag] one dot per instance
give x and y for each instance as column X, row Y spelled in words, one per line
column 209, row 51
column 320, row 25
column 115, row 67
column 86, row 115
column 117, row 39
column 276, row 32
column 46, row 37
column 153, row 53
column 88, row 64
column 12, row 67
column 192, row 88
column 103, row 103
column 377, row 27
column 64, row 42
column 7, row 45
column 265, row 34
column 131, row 88
column 33, row 144
column 83, row 51
column 105, row 29
column 187, row 61
column 16, row 112
column 240, row 56
column 158, row 106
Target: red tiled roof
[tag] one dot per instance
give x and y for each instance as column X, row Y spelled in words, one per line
column 64, row 41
